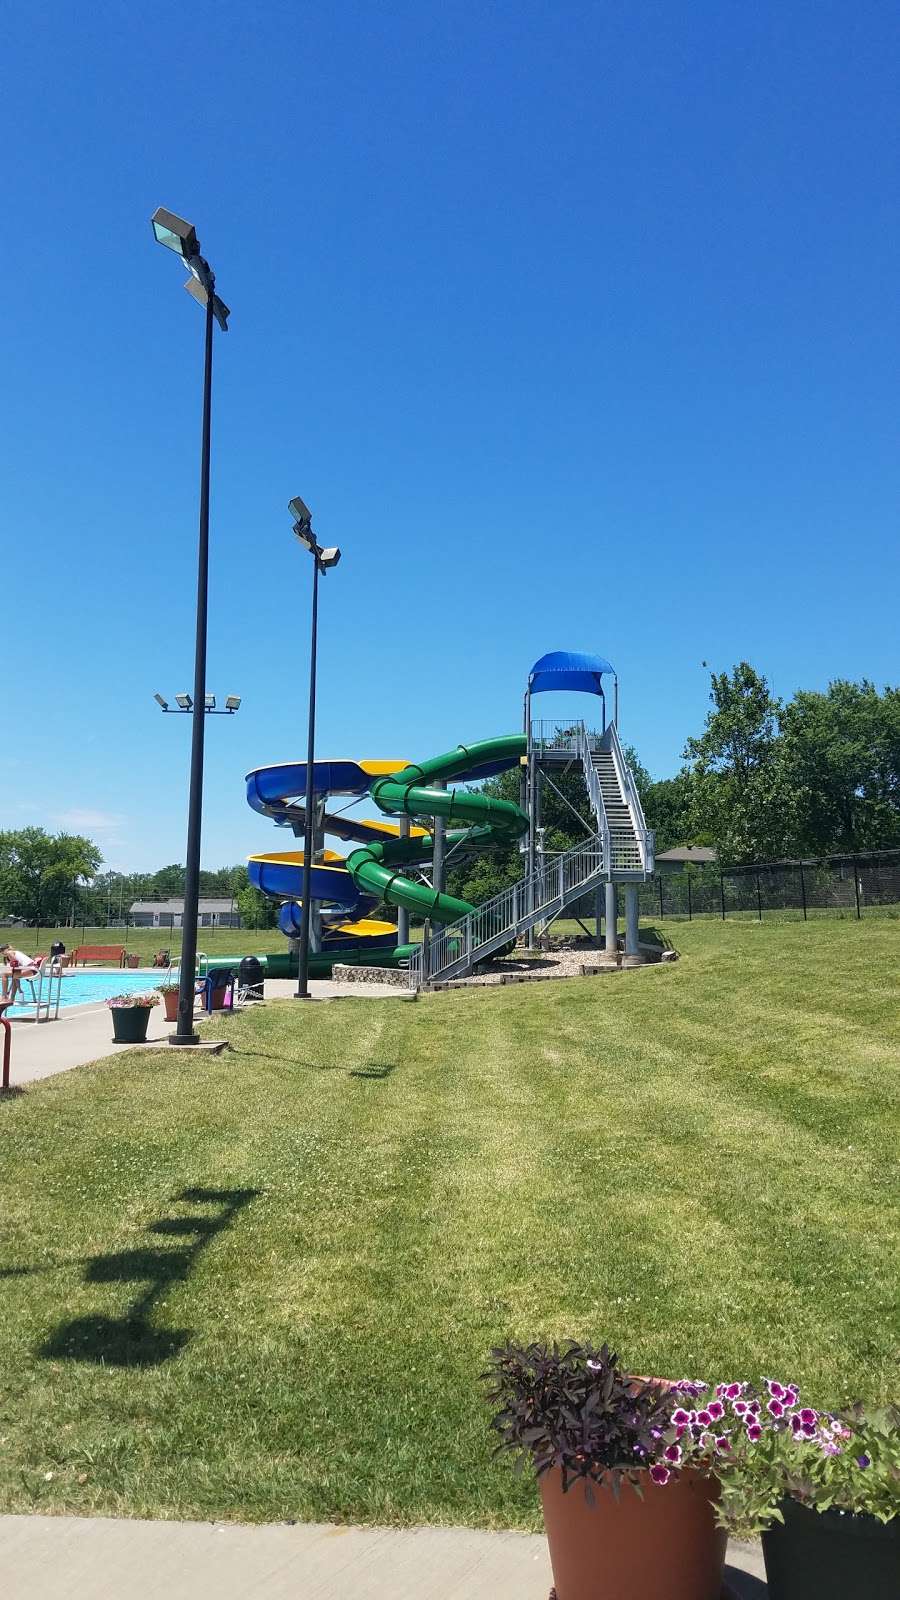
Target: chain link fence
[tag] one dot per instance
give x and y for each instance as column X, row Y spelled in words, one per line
column 837, row 886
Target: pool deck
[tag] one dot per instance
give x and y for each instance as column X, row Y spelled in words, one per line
column 98, row 1558
column 84, row 1033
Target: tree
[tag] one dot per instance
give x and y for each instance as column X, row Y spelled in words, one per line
column 168, row 882
column 669, row 808
column 743, row 798
column 842, row 750
column 40, row 872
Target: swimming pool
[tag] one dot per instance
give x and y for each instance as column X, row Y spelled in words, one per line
column 82, row 988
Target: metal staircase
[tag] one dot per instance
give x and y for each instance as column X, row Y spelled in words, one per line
column 620, row 850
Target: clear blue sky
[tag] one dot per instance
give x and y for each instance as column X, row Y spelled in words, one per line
column 576, row 326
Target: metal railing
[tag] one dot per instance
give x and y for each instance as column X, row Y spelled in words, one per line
column 45, row 988
column 645, row 836
column 553, row 738
column 595, row 793
column 500, row 920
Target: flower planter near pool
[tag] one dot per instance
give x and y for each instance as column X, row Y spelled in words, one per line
column 130, row 1024
column 831, row 1555
column 170, row 1001
column 662, row 1546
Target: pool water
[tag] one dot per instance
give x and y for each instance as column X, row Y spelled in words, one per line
column 83, row 988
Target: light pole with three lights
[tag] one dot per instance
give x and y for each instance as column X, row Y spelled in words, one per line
column 180, row 237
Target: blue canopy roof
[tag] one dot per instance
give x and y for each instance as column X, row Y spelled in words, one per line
column 568, row 669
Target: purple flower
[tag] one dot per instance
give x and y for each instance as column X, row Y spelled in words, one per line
column 775, row 1408
column 807, row 1416
column 754, row 1408
column 722, row 1444
column 793, row 1393
column 740, row 1408
column 864, row 1461
column 659, row 1474
column 754, row 1432
column 672, row 1453
column 776, row 1390
column 733, row 1391
column 705, row 1417
column 680, row 1417
column 829, row 1448
column 716, row 1410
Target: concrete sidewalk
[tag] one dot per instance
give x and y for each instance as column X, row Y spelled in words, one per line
column 84, row 1033
column 100, row 1558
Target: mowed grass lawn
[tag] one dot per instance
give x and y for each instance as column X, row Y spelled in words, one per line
column 263, row 1285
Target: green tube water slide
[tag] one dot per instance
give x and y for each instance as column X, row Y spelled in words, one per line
column 487, row 822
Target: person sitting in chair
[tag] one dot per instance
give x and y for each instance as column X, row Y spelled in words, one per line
column 16, row 966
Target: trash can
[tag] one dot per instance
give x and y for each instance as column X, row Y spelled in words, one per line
column 252, row 978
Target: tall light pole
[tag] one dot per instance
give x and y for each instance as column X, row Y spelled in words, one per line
column 322, row 560
column 179, row 236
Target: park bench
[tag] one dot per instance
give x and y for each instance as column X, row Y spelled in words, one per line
column 109, row 954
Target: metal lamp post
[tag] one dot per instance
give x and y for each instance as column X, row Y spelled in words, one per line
column 180, row 237
column 322, row 561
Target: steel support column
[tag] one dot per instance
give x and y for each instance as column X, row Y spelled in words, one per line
column 611, row 944
column 631, row 919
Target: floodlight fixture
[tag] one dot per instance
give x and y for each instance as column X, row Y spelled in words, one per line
column 161, row 702
column 209, row 702
column 306, row 537
column 201, row 292
column 329, row 557
column 233, row 702
column 300, row 511
column 184, row 701
column 175, row 233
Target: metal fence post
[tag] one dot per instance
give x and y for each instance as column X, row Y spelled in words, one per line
column 722, row 893
column 803, row 890
column 856, row 886
column 758, row 898
column 659, row 881
column 690, row 912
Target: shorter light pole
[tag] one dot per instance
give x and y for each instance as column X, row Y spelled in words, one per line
column 322, row 561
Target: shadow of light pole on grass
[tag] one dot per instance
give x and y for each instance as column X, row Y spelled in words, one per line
column 132, row 1340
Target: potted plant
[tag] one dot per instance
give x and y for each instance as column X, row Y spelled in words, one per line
column 169, row 991
column 822, row 1489
column 628, row 1513
column 130, row 1015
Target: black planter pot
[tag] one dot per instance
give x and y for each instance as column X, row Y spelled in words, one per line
column 130, row 1024
column 831, row 1555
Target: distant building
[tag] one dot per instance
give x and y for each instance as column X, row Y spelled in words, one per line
column 214, row 911
column 685, row 855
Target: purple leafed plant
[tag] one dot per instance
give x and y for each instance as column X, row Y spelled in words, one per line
column 572, row 1407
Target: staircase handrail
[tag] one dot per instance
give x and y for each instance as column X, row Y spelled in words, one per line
column 595, row 793
column 645, row 836
column 501, row 918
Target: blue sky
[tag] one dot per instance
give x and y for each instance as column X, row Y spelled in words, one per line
column 576, row 326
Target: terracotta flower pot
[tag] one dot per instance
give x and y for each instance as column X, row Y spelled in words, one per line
column 664, row 1546
column 170, row 1001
